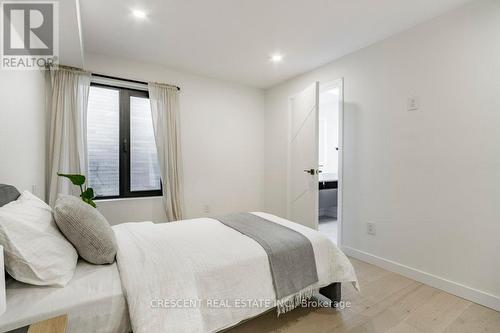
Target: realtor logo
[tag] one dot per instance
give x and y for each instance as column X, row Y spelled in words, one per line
column 29, row 34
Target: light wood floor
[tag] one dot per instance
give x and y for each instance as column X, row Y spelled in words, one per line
column 388, row 303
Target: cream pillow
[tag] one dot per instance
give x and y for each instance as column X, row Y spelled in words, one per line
column 86, row 229
column 35, row 250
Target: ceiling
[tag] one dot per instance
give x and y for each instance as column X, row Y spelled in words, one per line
column 233, row 39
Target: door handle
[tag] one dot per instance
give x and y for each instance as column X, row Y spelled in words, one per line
column 310, row 171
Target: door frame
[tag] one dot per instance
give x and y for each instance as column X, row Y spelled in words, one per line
column 289, row 155
column 340, row 188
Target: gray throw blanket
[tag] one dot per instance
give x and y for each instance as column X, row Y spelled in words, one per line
column 291, row 257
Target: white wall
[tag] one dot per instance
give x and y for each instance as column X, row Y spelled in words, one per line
column 429, row 179
column 22, row 130
column 222, row 129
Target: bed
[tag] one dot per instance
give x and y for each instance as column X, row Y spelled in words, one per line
column 188, row 255
column 93, row 300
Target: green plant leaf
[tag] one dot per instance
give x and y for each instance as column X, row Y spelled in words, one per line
column 88, row 194
column 76, row 179
column 90, row 202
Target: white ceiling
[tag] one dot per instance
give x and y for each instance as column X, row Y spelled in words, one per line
column 233, row 39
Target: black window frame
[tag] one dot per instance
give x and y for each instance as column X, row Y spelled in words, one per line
column 124, row 142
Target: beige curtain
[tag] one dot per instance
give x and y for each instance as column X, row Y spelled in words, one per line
column 67, row 98
column 164, row 101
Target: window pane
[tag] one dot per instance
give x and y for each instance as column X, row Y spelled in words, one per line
column 103, row 139
column 144, row 169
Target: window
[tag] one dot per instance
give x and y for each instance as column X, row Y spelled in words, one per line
column 121, row 147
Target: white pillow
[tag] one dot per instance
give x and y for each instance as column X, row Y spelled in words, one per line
column 35, row 250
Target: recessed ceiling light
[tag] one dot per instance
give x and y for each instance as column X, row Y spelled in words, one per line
column 277, row 58
column 140, row 14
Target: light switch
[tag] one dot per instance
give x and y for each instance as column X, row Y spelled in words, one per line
column 413, row 104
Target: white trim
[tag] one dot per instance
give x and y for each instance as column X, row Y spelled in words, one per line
column 452, row 287
column 316, row 153
column 340, row 172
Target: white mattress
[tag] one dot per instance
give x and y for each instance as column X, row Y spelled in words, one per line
column 93, row 301
column 204, row 260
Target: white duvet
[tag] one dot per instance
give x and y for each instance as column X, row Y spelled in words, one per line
column 201, row 276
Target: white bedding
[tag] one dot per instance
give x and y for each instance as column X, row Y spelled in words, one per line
column 202, row 259
column 93, row 300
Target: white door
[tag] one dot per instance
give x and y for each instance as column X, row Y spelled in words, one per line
column 303, row 157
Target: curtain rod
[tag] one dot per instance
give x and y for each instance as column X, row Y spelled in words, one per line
column 50, row 66
column 128, row 80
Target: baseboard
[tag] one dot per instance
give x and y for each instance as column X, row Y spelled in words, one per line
column 457, row 289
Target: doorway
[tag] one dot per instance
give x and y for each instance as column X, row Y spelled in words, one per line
column 330, row 159
column 315, row 138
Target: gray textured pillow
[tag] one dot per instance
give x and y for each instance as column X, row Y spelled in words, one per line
column 86, row 229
